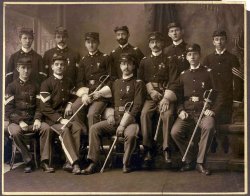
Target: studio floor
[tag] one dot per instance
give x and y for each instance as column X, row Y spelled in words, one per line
column 158, row 181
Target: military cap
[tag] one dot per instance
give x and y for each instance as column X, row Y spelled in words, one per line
column 174, row 24
column 24, row 61
column 121, row 28
column 156, row 36
column 27, row 31
column 58, row 57
column 127, row 57
column 219, row 33
column 193, row 48
column 92, row 35
column 61, row 30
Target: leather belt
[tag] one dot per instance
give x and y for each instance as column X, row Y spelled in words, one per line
column 193, row 99
column 155, row 84
column 120, row 108
column 92, row 82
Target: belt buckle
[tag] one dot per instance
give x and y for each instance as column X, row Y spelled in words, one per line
column 121, row 108
column 92, row 82
column 194, row 99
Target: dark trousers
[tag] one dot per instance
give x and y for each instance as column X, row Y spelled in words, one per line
column 101, row 129
column 45, row 136
column 92, row 111
column 70, row 140
column 181, row 131
column 149, row 109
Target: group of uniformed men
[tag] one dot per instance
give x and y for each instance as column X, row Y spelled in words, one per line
column 43, row 93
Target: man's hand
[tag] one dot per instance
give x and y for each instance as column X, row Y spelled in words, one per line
column 37, row 125
column 68, row 110
column 183, row 115
column 164, row 105
column 155, row 95
column 120, row 131
column 96, row 95
column 23, row 126
column 64, row 121
column 111, row 120
column 86, row 100
column 209, row 113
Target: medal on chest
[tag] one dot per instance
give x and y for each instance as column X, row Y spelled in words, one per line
column 98, row 65
column 162, row 66
column 202, row 84
column 68, row 61
column 127, row 89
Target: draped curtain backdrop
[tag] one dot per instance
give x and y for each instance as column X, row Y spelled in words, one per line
column 160, row 15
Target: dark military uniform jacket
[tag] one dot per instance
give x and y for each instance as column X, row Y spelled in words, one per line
column 115, row 59
column 228, row 78
column 72, row 63
column 55, row 94
column 193, row 84
column 156, row 69
column 176, row 55
column 38, row 73
column 22, row 102
column 91, row 68
column 128, row 90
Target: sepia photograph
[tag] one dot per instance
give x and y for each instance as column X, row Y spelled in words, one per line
column 124, row 98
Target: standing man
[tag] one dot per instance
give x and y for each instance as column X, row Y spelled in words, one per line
column 122, row 35
column 93, row 67
column 160, row 78
column 125, row 90
column 22, row 103
column 194, row 82
column 73, row 58
column 56, row 105
column 176, row 51
column 26, row 37
column 228, row 78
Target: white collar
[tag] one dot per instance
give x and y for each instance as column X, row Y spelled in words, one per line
column 58, row 77
column 123, row 46
column 127, row 77
column 176, row 43
column 93, row 53
column 156, row 53
column 23, row 80
column 217, row 52
column 193, row 68
column 62, row 47
column 26, row 50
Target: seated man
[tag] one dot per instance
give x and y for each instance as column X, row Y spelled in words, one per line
column 56, row 100
column 124, row 90
column 22, row 110
column 193, row 83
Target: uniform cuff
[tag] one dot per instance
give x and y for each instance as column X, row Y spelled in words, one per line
column 170, row 95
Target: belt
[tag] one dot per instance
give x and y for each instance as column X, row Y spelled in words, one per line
column 155, row 84
column 92, row 82
column 193, row 99
column 120, row 108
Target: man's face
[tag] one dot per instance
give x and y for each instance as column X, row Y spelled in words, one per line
column 91, row 45
column 122, row 37
column 61, row 39
column 219, row 42
column 58, row 67
column 26, row 40
column 193, row 58
column 127, row 67
column 156, row 45
column 175, row 33
column 24, row 71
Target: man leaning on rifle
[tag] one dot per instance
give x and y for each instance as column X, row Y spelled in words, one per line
column 193, row 83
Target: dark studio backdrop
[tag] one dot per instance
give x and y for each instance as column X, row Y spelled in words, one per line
column 198, row 21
